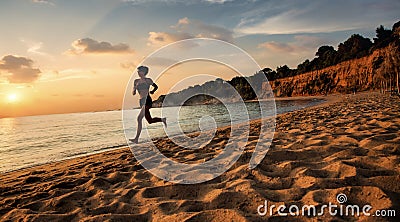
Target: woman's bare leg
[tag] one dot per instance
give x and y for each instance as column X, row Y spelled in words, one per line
column 151, row 120
column 139, row 127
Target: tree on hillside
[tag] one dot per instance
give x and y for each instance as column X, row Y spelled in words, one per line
column 327, row 56
column 269, row 74
column 243, row 87
column 266, row 71
column 324, row 50
column 383, row 37
column 304, row 67
column 355, row 47
column 395, row 26
column 284, row 71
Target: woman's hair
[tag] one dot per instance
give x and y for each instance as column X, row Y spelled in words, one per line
column 144, row 69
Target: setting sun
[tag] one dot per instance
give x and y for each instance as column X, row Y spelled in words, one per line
column 12, row 98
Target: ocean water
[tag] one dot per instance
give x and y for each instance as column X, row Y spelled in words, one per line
column 34, row 140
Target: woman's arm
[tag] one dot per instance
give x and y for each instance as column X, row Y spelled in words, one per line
column 155, row 87
column 134, row 87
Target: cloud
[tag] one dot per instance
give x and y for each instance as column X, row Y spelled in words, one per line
column 186, row 29
column 91, row 46
column 163, row 38
column 183, row 21
column 293, row 51
column 66, row 74
column 287, row 22
column 302, row 44
column 43, row 2
column 18, row 69
column 212, row 31
column 309, row 41
column 34, row 47
column 218, row 1
column 277, row 46
column 203, row 30
column 293, row 17
column 187, row 2
column 137, row 2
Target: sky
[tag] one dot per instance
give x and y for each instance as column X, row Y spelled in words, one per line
column 62, row 56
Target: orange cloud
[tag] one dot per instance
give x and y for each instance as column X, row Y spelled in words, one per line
column 163, row 38
column 18, row 69
column 91, row 46
column 186, row 29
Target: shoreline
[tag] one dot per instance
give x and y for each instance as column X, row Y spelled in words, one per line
column 324, row 100
column 348, row 145
column 327, row 100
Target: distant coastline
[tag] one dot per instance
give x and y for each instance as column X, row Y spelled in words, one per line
column 357, row 65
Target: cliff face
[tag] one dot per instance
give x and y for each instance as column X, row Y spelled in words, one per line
column 378, row 70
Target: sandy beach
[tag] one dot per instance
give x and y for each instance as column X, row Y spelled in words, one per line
column 349, row 145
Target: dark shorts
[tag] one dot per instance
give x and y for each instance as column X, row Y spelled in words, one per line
column 146, row 101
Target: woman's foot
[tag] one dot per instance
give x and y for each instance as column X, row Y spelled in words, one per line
column 164, row 120
column 136, row 141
